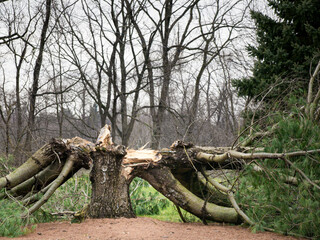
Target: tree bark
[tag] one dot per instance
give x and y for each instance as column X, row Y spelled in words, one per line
column 163, row 181
column 36, row 76
column 110, row 187
column 36, row 163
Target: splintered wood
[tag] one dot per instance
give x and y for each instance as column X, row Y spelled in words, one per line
column 132, row 158
column 140, row 157
column 79, row 142
column 104, row 138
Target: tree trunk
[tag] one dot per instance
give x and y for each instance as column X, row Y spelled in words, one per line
column 110, row 187
column 36, row 76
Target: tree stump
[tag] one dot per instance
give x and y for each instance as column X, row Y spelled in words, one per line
column 110, row 188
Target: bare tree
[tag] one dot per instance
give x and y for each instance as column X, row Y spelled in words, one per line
column 17, row 18
column 109, row 65
column 6, row 112
column 217, row 34
column 36, row 76
column 185, row 35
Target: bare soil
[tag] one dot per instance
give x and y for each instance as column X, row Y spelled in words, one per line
column 143, row 229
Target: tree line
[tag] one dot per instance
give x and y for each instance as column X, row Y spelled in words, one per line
column 146, row 68
column 160, row 70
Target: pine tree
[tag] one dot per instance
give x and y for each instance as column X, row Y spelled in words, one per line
column 288, row 43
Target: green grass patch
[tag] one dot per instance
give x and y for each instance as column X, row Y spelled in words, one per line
column 146, row 201
column 170, row 214
column 71, row 196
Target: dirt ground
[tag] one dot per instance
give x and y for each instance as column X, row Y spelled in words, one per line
column 142, row 228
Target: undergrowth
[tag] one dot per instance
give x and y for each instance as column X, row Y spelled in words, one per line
column 270, row 199
column 73, row 195
column 11, row 222
column 146, row 201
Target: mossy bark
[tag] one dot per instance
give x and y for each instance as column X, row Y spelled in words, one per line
column 38, row 181
column 38, row 161
column 163, row 181
column 110, row 188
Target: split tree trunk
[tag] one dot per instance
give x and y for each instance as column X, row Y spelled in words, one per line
column 110, row 188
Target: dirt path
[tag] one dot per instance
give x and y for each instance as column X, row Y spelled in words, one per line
column 142, row 228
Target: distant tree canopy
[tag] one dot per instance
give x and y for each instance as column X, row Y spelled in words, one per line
column 287, row 45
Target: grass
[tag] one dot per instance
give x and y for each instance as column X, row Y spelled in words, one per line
column 73, row 195
column 170, row 214
column 147, row 202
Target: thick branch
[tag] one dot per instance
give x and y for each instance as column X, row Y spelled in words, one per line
column 35, row 197
column 38, row 181
column 163, row 181
column 229, row 192
column 38, row 161
column 218, row 197
column 263, row 155
column 60, row 179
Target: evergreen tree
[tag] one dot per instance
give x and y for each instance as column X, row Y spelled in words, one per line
column 288, row 43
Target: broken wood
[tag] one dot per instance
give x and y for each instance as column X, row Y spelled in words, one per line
column 110, row 188
column 168, row 170
column 110, row 183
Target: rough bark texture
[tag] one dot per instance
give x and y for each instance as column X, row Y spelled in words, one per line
column 110, row 188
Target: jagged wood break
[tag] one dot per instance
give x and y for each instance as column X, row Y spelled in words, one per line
column 178, row 173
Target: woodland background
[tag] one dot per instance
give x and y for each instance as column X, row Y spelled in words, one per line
column 216, row 73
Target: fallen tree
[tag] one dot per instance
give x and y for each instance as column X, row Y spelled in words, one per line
column 179, row 173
